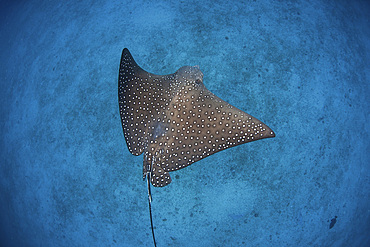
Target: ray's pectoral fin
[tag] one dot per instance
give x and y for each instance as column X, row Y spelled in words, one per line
column 200, row 124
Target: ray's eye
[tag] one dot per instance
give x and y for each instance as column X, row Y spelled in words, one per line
column 198, row 81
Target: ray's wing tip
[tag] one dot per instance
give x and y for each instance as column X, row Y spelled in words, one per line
column 268, row 133
column 271, row 134
column 125, row 51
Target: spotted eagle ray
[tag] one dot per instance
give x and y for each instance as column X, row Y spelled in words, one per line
column 175, row 120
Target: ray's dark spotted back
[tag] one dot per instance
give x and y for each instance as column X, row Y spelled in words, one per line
column 175, row 120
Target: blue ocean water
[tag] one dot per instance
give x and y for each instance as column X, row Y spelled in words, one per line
column 302, row 67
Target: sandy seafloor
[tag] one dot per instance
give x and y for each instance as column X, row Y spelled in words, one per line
column 302, row 67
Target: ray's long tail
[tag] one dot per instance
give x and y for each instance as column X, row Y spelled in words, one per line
column 150, row 208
